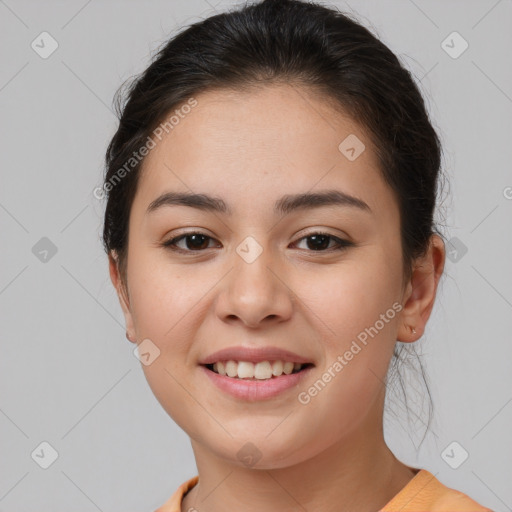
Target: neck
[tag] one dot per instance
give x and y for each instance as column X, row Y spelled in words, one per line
column 358, row 472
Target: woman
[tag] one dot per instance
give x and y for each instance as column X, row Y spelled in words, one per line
column 269, row 226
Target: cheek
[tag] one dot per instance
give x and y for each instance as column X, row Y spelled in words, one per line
column 347, row 301
column 352, row 309
column 162, row 297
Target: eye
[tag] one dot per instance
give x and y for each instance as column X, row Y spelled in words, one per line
column 196, row 242
column 320, row 242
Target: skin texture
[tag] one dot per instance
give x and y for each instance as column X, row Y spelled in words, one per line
column 250, row 148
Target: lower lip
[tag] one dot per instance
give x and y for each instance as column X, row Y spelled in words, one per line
column 254, row 390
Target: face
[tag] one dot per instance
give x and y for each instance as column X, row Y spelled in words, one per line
column 314, row 278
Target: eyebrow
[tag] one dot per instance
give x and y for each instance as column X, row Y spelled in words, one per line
column 285, row 205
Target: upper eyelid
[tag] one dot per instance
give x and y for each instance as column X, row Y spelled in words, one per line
column 311, row 233
column 178, row 238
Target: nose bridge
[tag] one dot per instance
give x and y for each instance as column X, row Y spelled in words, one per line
column 253, row 291
column 252, row 264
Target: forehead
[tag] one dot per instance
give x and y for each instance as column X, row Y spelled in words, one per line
column 254, row 146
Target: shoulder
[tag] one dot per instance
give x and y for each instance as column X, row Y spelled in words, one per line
column 173, row 504
column 425, row 492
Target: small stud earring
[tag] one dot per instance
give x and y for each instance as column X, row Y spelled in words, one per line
column 413, row 330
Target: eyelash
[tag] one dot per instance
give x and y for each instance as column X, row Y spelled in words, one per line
column 342, row 244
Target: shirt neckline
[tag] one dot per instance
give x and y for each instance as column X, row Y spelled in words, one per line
column 413, row 486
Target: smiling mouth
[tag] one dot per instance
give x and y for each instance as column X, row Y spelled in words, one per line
column 263, row 370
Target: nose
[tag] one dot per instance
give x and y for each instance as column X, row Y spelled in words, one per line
column 255, row 293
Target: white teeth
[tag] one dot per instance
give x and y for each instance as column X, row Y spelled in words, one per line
column 245, row 370
column 231, row 369
column 277, row 368
column 288, row 368
column 260, row 371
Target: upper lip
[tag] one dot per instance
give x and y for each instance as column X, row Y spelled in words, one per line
column 254, row 355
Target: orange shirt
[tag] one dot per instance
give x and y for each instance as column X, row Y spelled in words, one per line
column 423, row 493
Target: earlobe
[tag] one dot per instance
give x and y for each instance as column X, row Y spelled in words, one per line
column 409, row 333
column 412, row 334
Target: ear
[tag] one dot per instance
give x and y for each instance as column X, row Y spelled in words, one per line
column 421, row 291
column 121, row 289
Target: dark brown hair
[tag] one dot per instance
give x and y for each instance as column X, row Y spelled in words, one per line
column 294, row 42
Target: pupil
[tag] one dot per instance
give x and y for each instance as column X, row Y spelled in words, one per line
column 319, row 238
column 194, row 244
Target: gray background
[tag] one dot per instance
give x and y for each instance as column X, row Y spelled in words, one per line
column 68, row 375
